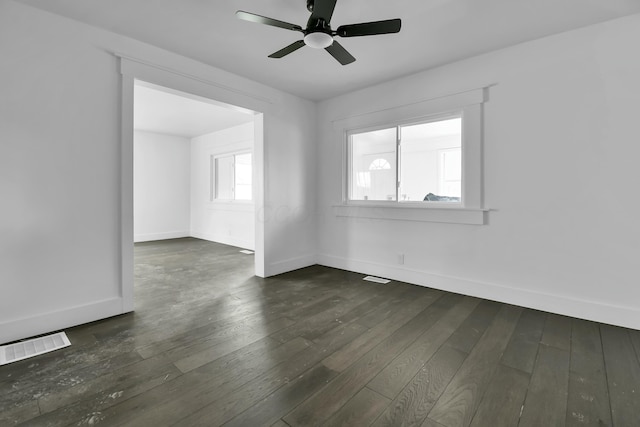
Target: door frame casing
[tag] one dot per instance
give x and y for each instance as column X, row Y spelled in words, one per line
column 132, row 69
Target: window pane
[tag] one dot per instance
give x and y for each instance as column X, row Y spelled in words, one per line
column 451, row 172
column 373, row 165
column 243, row 176
column 431, row 161
column 224, row 178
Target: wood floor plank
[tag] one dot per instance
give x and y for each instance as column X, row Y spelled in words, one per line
column 176, row 399
column 588, row 399
column 635, row 340
column 458, row 403
column 279, row 403
column 91, row 406
column 317, row 307
column 26, row 374
column 503, row 400
column 215, row 349
column 522, row 349
column 413, row 403
column 19, row 412
column 465, row 337
column 208, row 330
column 623, row 375
column 395, row 376
column 395, row 304
column 361, row 410
column 223, row 317
column 329, row 400
column 546, row 401
column 221, row 410
column 29, row 387
column 356, row 313
column 121, row 378
column 557, row 332
column 315, row 325
column 344, row 357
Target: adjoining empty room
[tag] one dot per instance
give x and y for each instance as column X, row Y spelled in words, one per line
column 192, row 168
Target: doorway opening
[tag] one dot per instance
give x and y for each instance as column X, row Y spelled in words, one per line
column 194, row 168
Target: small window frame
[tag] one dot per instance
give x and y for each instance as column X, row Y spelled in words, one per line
column 213, row 173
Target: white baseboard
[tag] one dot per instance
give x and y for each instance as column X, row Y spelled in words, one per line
column 137, row 238
column 628, row 317
column 291, row 264
column 18, row 329
column 225, row 240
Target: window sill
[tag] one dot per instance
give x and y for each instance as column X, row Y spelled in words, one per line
column 232, row 205
column 402, row 212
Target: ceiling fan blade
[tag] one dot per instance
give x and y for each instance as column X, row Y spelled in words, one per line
column 287, row 50
column 323, row 9
column 340, row 53
column 369, row 28
column 252, row 17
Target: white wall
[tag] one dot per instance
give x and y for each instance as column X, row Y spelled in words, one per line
column 560, row 180
column 228, row 222
column 64, row 252
column 161, row 186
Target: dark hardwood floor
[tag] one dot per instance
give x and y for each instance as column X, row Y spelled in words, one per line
column 210, row 344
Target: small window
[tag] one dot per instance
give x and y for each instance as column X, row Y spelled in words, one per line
column 232, row 177
column 418, row 162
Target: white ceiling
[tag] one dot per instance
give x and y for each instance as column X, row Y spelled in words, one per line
column 434, row 32
column 170, row 112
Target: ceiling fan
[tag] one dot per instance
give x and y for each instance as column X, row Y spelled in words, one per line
column 318, row 33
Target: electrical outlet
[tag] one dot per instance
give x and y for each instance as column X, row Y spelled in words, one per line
column 400, row 259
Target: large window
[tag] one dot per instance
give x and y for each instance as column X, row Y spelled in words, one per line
column 415, row 162
column 232, row 177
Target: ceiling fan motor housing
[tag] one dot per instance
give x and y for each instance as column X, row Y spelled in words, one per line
column 318, row 33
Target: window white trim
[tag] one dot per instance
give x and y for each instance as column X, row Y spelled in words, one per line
column 411, row 211
column 469, row 105
column 412, row 112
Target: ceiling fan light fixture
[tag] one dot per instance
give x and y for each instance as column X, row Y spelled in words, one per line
column 318, row 40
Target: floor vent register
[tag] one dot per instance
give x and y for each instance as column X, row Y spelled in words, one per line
column 376, row 280
column 29, row 348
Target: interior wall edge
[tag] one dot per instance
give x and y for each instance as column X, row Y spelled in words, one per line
column 226, row 240
column 273, row 269
column 17, row 329
column 149, row 237
column 628, row 317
